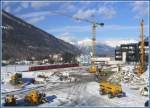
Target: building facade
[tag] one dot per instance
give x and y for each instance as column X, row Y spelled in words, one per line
column 146, row 48
column 130, row 52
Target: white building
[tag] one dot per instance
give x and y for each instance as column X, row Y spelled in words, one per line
column 98, row 60
column 84, row 59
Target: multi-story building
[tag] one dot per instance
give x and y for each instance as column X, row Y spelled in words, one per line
column 146, row 48
column 130, row 52
column 118, row 54
column 127, row 53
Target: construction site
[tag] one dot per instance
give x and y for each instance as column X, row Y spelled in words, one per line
column 102, row 82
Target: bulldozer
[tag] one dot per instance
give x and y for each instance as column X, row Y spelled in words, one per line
column 16, row 79
column 112, row 89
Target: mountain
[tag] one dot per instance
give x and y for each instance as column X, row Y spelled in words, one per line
column 105, row 50
column 22, row 40
column 102, row 49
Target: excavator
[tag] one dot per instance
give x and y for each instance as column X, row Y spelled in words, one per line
column 33, row 98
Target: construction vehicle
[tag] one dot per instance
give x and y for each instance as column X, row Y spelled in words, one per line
column 92, row 68
column 33, row 98
column 10, row 100
column 140, row 68
column 111, row 89
column 16, row 79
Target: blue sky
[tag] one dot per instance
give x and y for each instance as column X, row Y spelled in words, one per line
column 121, row 19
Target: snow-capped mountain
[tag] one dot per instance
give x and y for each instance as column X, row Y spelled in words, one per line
column 114, row 43
column 106, row 47
column 86, row 46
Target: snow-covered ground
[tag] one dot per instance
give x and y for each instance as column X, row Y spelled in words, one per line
column 132, row 99
column 70, row 92
column 87, row 94
column 14, row 68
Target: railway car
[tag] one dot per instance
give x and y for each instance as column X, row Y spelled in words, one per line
column 35, row 68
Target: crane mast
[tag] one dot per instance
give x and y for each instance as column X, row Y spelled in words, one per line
column 94, row 40
column 142, row 42
column 142, row 47
column 141, row 66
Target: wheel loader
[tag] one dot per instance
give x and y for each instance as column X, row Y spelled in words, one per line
column 111, row 89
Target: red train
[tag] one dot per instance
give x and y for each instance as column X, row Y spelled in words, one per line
column 35, row 68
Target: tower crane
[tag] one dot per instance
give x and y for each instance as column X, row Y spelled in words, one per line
column 95, row 24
